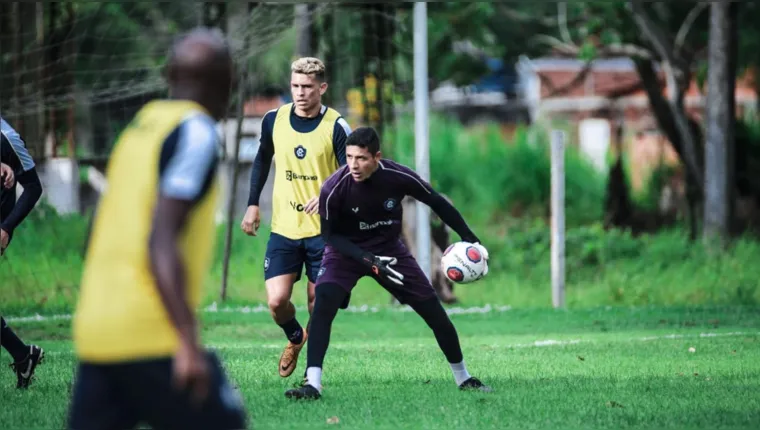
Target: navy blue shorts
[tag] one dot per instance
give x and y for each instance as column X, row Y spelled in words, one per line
column 285, row 256
column 124, row 395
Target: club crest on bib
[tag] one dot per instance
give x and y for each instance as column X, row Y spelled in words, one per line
column 300, row 152
column 321, row 272
column 389, row 204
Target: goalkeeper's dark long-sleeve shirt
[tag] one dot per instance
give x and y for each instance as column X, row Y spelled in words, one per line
column 13, row 152
column 362, row 219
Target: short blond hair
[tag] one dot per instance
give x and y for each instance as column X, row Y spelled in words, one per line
column 309, row 66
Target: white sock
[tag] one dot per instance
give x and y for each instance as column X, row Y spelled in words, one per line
column 460, row 372
column 314, row 377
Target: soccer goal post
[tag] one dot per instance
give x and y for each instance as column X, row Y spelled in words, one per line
column 558, row 217
column 421, row 131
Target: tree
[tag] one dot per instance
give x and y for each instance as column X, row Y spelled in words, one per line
column 664, row 36
column 720, row 126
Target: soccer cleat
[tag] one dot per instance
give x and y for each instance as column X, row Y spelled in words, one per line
column 475, row 384
column 307, row 392
column 25, row 368
column 289, row 357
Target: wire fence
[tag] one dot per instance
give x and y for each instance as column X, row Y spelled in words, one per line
column 74, row 74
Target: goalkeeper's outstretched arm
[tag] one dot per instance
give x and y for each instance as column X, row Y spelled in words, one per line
column 422, row 191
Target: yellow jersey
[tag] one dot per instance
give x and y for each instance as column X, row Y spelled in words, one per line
column 306, row 152
column 170, row 148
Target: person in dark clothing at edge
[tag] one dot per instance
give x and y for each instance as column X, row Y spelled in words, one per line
column 16, row 167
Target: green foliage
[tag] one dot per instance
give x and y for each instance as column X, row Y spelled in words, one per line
column 451, row 22
column 614, row 267
column 486, row 175
column 130, row 38
column 748, row 52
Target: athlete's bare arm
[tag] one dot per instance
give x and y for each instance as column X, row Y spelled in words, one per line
column 167, row 265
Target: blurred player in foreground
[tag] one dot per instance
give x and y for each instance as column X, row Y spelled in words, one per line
column 308, row 143
column 136, row 333
column 16, row 167
column 361, row 219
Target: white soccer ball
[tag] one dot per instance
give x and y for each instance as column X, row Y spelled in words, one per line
column 464, row 262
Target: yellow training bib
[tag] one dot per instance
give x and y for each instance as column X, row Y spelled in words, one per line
column 303, row 161
column 120, row 315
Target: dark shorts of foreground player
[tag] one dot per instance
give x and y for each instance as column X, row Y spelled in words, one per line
column 346, row 272
column 285, row 256
column 127, row 394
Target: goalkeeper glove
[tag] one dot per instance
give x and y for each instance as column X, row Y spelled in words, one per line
column 483, row 252
column 381, row 268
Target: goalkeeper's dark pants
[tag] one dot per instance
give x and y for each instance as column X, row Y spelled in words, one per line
column 8, row 339
column 330, row 296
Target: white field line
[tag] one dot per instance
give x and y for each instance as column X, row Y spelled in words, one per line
column 214, row 308
column 535, row 344
column 374, row 309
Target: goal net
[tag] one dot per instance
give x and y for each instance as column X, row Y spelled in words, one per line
column 73, row 74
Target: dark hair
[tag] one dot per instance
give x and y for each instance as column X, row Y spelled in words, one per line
column 365, row 137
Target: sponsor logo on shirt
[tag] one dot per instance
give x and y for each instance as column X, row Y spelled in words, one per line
column 374, row 225
column 293, row 176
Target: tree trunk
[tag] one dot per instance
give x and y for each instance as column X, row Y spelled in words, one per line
column 36, row 133
column 17, row 50
column 719, row 128
column 733, row 66
column 369, row 63
column 381, row 62
column 665, row 114
column 53, row 54
column 328, row 25
column 303, row 30
column 313, row 23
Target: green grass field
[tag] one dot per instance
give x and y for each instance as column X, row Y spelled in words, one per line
column 601, row 368
column 619, row 357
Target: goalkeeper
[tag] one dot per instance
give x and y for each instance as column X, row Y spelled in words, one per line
column 361, row 223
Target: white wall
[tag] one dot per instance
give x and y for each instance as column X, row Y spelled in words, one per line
column 594, row 136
